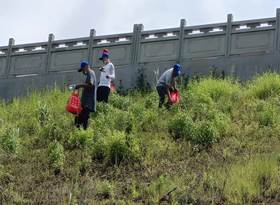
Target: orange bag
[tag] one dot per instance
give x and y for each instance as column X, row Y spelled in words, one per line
column 74, row 104
column 175, row 97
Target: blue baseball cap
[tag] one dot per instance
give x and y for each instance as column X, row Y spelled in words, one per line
column 177, row 68
column 83, row 65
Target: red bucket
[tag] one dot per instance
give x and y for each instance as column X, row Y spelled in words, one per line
column 74, row 104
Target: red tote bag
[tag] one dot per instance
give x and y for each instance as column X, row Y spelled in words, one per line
column 74, row 103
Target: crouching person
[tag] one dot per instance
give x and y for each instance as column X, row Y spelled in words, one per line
column 88, row 99
column 167, row 83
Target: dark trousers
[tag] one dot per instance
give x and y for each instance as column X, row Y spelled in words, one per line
column 162, row 93
column 103, row 94
column 82, row 118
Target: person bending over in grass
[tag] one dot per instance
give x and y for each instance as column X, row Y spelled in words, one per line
column 166, row 83
column 88, row 99
column 106, row 77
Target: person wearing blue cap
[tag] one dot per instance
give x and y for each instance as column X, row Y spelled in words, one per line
column 106, row 76
column 88, row 99
column 166, row 83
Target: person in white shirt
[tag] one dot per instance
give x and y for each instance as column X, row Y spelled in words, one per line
column 106, row 76
column 166, row 83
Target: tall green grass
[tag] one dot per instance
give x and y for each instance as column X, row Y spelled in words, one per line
column 219, row 145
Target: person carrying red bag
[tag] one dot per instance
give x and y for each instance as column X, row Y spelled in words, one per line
column 88, row 99
column 167, row 84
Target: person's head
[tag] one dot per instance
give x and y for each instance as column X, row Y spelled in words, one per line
column 177, row 70
column 105, row 56
column 84, row 67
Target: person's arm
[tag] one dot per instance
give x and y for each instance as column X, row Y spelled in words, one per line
column 169, row 82
column 90, row 82
column 111, row 74
column 174, row 87
column 167, row 87
column 83, row 85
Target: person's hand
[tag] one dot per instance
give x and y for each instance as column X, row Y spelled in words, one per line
column 169, row 99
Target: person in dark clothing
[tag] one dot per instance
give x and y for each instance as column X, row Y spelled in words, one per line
column 88, row 99
column 106, row 77
column 167, row 83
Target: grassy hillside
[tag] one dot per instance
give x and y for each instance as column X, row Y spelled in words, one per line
column 219, row 145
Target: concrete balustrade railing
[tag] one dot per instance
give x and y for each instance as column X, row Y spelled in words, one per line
column 239, row 48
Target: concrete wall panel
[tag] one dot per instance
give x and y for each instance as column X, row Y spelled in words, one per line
column 204, row 47
column 27, row 64
column 67, row 60
column 252, row 42
column 120, row 55
column 157, row 51
column 2, row 65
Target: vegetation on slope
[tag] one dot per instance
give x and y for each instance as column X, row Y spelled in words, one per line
column 219, row 145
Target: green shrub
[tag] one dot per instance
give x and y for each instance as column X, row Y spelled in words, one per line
column 267, row 114
column 151, row 101
column 205, row 134
column 214, row 89
column 58, row 128
column 100, row 148
column 52, row 131
column 220, row 121
column 43, row 113
column 84, row 164
column 201, row 132
column 181, row 126
column 116, row 147
column 105, row 189
column 56, row 156
column 81, row 139
column 158, row 189
column 265, row 86
column 124, row 121
column 9, row 140
column 123, row 148
column 104, row 108
column 138, row 111
column 150, row 121
column 119, row 102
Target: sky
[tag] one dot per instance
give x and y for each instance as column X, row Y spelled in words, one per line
column 30, row 21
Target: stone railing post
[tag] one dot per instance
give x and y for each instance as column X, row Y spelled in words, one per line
column 9, row 56
column 135, row 51
column 228, row 34
column 49, row 50
column 277, row 31
column 90, row 45
column 181, row 41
